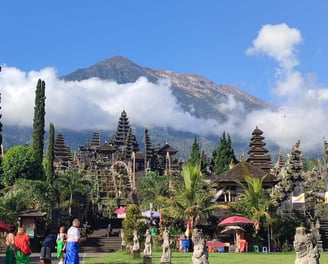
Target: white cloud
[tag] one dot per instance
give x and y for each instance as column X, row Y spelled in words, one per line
column 303, row 114
column 94, row 103
column 278, row 42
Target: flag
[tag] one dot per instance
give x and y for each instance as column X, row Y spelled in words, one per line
column 326, row 197
column 299, row 198
column 188, row 230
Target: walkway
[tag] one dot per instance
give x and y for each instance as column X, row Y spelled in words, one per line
column 96, row 245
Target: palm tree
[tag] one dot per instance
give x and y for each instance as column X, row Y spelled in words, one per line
column 152, row 186
column 254, row 202
column 71, row 186
column 191, row 198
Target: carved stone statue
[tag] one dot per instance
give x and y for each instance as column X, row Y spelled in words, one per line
column 200, row 254
column 147, row 250
column 166, row 255
column 305, row 246
column 136, row 245
column 123, row 244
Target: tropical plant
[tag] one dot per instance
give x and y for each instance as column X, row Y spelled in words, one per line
column 153, row 185
column 71, row 186
column 26, row 194
column 254, row 202
column 190, row 199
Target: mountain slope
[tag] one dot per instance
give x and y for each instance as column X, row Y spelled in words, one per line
column 196, row 94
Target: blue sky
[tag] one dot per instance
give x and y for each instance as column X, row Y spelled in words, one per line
column 267, row 48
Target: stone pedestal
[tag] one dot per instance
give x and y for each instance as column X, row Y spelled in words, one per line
column 136, row 254
column 147, row 259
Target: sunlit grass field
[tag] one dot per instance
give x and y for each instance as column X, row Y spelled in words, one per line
column 121, row 257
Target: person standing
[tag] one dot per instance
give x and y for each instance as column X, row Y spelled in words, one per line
column 10, row 242
column 22, row 244
column 61, row 240
column 73, row 243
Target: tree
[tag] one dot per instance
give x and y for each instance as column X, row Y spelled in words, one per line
column 71, row 186
column 190, row 198
column 51, row 154
column 195, row 153
column 0, row 135
column 153, row 185
column 198, row 157
column 20, row 162
column 38, row 120
column 26, row 194
column 255, row 202
column 133, row 222
column 223, row 155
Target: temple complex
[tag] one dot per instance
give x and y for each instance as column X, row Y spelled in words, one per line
column 116, row 165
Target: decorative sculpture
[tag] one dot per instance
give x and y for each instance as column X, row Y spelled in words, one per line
column 136, row 245
column 147, row 250
column 200, row 254
column 305, row 246
column 166, row 255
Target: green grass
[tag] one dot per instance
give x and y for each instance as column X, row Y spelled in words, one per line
column 121, row 257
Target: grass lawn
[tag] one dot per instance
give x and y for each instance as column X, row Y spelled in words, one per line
column 121, row 257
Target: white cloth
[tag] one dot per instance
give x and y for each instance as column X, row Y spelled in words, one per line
column 73, row 234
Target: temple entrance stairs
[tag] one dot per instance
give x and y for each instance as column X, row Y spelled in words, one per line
column 98, row 241
column 324, row 234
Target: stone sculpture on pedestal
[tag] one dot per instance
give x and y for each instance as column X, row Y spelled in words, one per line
column 200, row 254
column 305, row 246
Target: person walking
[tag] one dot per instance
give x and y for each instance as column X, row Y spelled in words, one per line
column 22, row 244
column 11, row 251
column 73, row 243
column 61, row 241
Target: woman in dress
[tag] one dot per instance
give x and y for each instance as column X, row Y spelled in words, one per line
column 10, row 252
column 61, row 240
column 22, row 244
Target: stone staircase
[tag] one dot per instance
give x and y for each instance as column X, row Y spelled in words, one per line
column 99, row 242
column 324, row 234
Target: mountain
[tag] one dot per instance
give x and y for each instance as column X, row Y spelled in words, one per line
column 196, row 94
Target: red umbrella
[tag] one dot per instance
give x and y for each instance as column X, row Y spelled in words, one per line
column 236, row 220
column 4, row 226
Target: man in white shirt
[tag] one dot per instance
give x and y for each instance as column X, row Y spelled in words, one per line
column 73, row 243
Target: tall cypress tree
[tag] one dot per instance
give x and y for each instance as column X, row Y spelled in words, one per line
column 195, row 153
column 38, row 121
column 223, row 155
column 51, row 154
column 0, row 133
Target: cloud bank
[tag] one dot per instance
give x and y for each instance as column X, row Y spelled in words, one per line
column 97, row 104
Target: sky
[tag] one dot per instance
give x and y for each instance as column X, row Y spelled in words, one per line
column 274, row 50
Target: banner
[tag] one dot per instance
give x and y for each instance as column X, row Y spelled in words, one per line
column 298, row 199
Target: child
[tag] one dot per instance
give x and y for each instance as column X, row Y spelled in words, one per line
column 61, row 240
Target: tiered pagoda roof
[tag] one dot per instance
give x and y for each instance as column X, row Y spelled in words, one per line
column 258, row 154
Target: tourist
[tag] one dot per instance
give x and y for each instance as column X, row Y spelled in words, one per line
column 10, row 242
column 73, row 243
column 109, row 230
column 61, row 240
column 48, row 245
column 22, row 244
